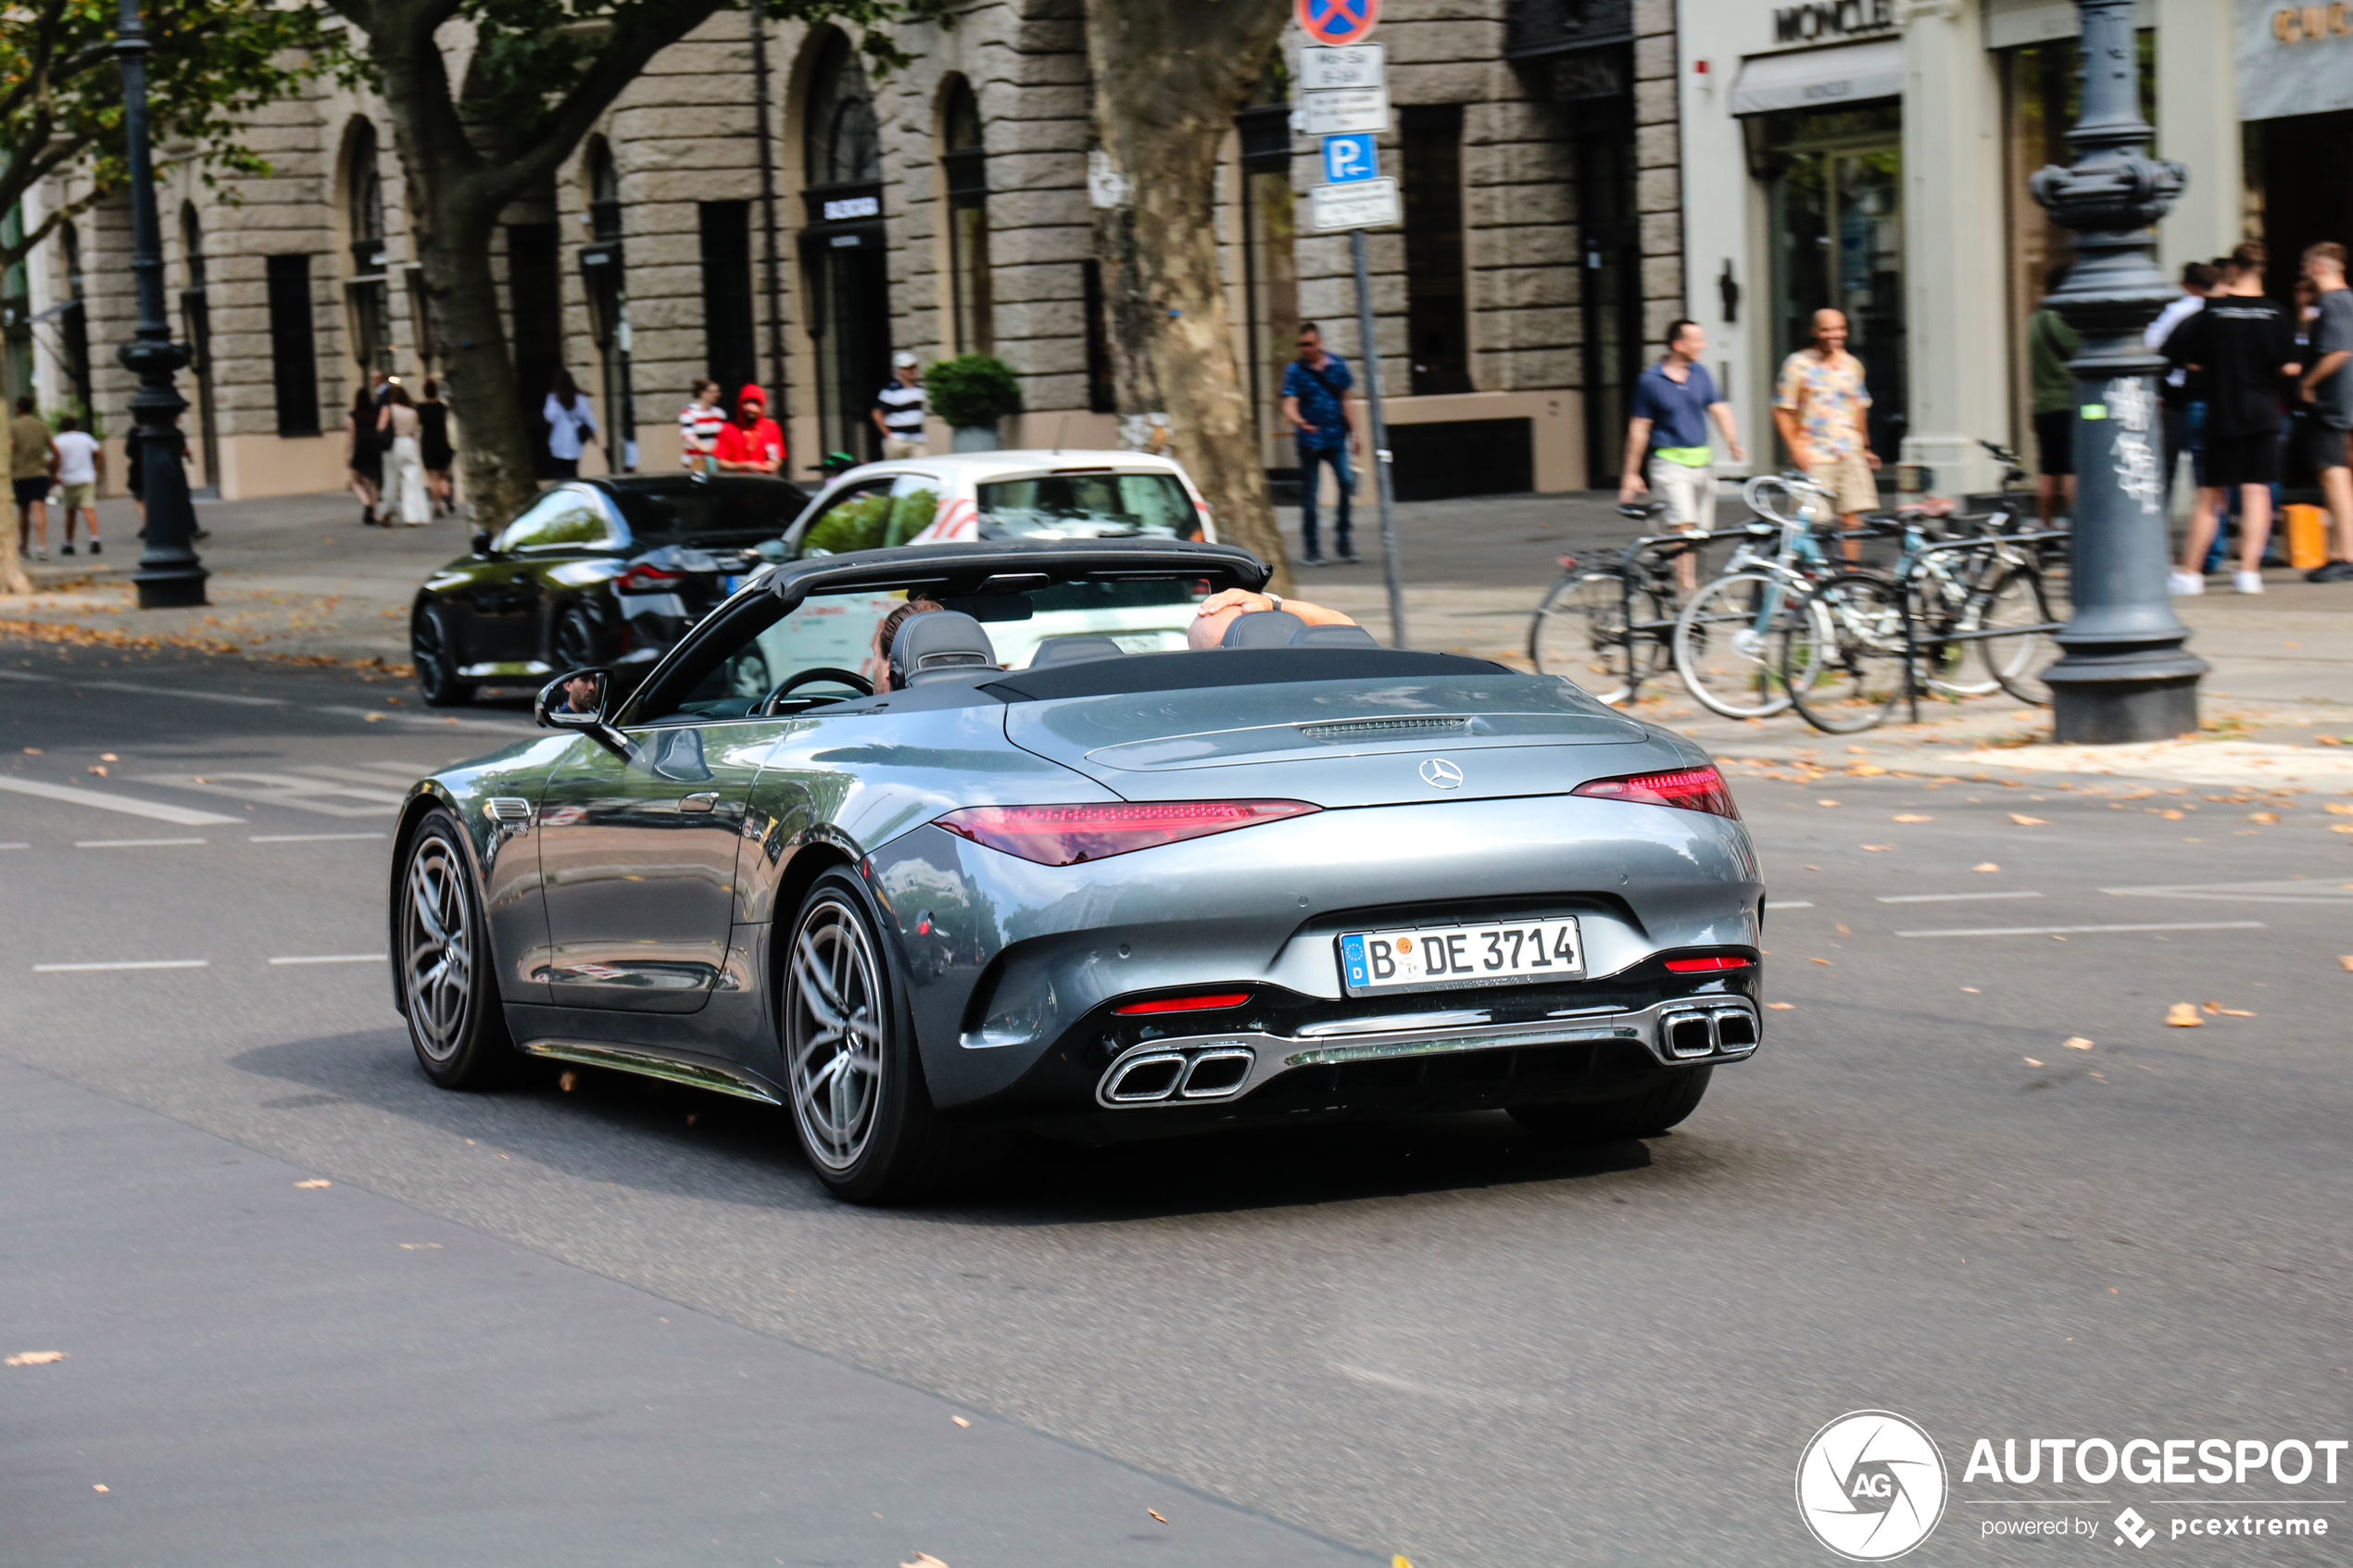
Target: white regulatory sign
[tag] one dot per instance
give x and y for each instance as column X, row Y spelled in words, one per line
column 1358, row 65
column 1361, row 204
column 1338, row 112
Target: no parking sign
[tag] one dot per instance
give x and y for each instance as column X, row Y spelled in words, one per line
column 1337, row 23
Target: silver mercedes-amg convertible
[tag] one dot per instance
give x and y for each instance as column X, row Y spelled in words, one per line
column 832, row 854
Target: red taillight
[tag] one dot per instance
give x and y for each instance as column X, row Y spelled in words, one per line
column 644, row 579
column 1701, row 966
column 1693, row 789
column 1063, row 835
column 1188, row 1004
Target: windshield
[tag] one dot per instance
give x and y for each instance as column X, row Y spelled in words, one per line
column 695, row 510
column 1087, row 506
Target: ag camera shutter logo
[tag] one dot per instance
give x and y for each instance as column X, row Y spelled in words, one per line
column 1872, row 1486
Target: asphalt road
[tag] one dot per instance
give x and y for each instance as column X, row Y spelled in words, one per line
column 623, row 1326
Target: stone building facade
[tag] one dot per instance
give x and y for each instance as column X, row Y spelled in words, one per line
column 943, row 209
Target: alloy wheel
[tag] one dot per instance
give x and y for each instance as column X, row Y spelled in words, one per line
column 437, row 946
column 834, row 1012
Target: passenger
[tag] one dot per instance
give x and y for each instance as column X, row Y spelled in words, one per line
column 1221, row 610
column 877, row 668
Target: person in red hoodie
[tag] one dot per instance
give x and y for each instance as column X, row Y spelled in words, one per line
column 750, row 442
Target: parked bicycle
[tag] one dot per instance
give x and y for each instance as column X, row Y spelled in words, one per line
column 1609, row 627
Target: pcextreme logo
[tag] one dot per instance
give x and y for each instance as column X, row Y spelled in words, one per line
column 1871, row 1485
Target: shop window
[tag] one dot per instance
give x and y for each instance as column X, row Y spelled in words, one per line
column 728, row 348
column 1437, row 318
column 294, row 348
column 965, row 170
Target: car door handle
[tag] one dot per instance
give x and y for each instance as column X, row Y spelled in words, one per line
column 703, row 802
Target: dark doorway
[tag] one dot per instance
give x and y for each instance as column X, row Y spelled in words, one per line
column 1610, row 273
column 730, row 356
column 534, row 298
column 1437, row 319
column 2305, row 188
column 844, row 252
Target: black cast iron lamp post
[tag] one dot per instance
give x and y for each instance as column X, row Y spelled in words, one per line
column 170, row 576
column 2125, row 675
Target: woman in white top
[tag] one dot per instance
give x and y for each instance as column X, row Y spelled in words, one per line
column 400, row 421
column 571, row 424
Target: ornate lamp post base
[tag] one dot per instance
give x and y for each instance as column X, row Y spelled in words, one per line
column 2134, row 698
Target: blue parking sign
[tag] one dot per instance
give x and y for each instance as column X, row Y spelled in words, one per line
column 1348, row 158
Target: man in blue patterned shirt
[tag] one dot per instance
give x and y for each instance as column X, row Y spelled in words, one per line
column 1316, row 401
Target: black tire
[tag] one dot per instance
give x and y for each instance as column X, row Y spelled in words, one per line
column 853, row 1075
column 447, row 972
column 579, row 641
column 434, row 654
column 2018, row 598
column 1857, row 670
column 1640, row 1115
column 1578, row 632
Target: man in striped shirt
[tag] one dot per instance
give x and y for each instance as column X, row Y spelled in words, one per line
column 899, row 411
column 699, row 424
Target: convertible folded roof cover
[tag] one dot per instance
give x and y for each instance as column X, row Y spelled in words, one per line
column 1015, row 566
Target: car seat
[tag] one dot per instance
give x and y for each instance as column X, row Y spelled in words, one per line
column 937, row 644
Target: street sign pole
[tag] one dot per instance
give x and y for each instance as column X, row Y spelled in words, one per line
column 1369, row 351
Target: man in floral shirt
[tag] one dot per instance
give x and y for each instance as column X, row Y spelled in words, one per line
column 1819, row 406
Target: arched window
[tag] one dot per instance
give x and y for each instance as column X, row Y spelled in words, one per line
column 369, row 304
column 963, row 163
column 844, row 146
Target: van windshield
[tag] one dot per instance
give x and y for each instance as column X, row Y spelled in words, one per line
column 1087, row 506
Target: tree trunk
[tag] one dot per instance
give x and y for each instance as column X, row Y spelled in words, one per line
column 1169, row 79
column 493, row 438
column 12, row 575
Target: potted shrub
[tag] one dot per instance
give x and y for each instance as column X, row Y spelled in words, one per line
column 972, row 392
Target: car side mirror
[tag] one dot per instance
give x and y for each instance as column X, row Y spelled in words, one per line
column 481, row 543
column 578, row 699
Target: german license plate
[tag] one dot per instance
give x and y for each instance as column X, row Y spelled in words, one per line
column 1430, row 957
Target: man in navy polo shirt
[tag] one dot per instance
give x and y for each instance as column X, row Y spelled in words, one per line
column 1315, row 402
column 1667, row 446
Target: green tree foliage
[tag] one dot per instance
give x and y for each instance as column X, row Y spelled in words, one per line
column 210, row 64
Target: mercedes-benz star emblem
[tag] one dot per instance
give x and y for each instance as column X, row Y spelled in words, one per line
column 1438, row 773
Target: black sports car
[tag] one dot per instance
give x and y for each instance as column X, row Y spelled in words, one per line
column 594, row 571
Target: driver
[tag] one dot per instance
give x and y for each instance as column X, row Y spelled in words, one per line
column 580, row 694
column 1221, row 610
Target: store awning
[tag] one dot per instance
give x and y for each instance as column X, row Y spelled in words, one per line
column 1821, row 79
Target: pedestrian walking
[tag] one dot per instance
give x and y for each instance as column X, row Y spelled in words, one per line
column 699, row 423
column 750, row 442
column 33, row 466
column 433, row 449
column 1668, row 452
column 363, row 454
column 571, row 424
column 80, row 462
column 2326, row 390
column 2183, row 416
column 401, row 424
column 899, row 409
column 1819, row 404
column 1315, row 387
column 2246, row 346
column 2050, row 343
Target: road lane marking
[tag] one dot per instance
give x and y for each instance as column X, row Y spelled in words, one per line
column 1947, row 897
column 303, row 838
column 2072, row 930
column 129, row 842
column 147, row 963
column 2309, row 891
column 78, row 684
column 295, row 790
column 1787, row 904
column 334, row 957
column 15, row 845
column 154, row 808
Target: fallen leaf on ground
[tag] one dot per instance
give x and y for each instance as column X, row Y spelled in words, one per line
column 2344, row 960
column 2026, row 821
column 2213, row 1007
column 421, row 1247
column 1825, row 803
column 108, row 756
column 1157, row 1514
column 95, row 769
column 1972, row 990
column 1843, row 930
column 2266, row 818
column 1823, row 962
column 36, row 1358
column 1985, row 866
column 33, row 751
column 315, row 1182
column 2076, row 1043
column 2337, row 809
column 1784, row 1006
column 1913, row 817
column 2183, row 1015
column 960, row 1421
column 2233, row 1012
column 2030, row 1062
column 923, row 1559
column 95, row 1487
column 373, row 718
column 1866, row 770
column 569, row 1082
column 2171, row 815
column 2341, row 827
column 1878, row 849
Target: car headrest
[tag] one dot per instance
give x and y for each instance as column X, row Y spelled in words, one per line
column 1071, row 649
column 938, row 643
column 1333, row 637
column 1262, row 629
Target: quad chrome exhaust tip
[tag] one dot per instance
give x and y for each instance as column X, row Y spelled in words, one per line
column 1690, row 1034
column 1214, row 1074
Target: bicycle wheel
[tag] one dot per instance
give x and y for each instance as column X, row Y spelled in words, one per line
column 1580, row 632
column 2017, row 598
column 1728, row 644
column 1850, row 681
column 1940, row 606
